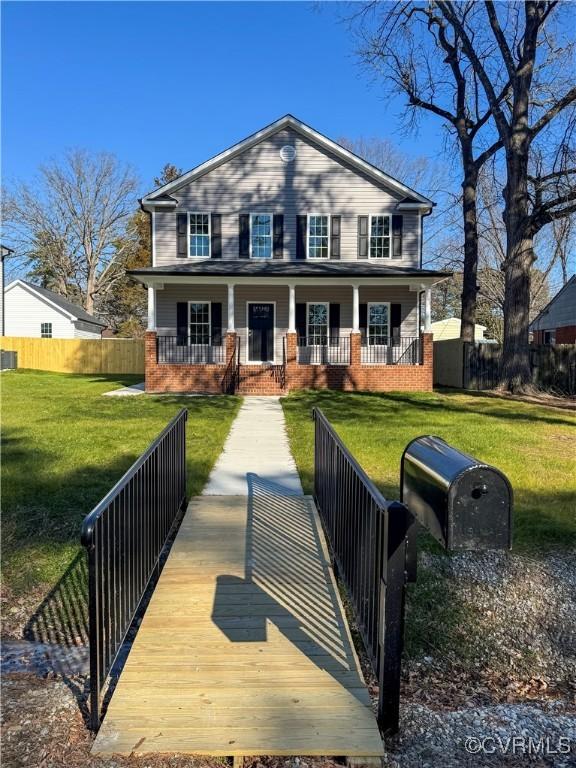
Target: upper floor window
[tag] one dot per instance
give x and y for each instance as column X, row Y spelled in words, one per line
column 199, row 235
column 261, row 235
column 318, row 237
column 199, row 322
column 379, row 237
column 45, row 330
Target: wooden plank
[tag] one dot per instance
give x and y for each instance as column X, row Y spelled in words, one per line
column 244, row 648
column 78, row 355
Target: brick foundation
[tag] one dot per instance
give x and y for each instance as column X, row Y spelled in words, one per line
column 268, row 380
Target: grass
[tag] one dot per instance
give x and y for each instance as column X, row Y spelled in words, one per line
column 533, row 445
column 64, row 446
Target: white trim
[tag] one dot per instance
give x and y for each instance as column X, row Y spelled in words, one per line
column 288, row 121
column 327, row 305
column 356, row 308
column 380, row 258
column 415, row 283
column 291, row 308
column 262, row 258
column 427, row 309
column 375, row 304
column 260, row 362
column 200, row 301
column 200, row 213
column 318, row 258
column 153, row 243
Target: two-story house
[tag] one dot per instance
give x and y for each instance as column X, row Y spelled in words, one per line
column 286, row 262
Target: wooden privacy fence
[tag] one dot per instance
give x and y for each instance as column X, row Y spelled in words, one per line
column 78, row 355
column 475, row 365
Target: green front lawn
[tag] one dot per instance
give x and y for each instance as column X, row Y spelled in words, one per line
column 64, row 446
column 533, row 445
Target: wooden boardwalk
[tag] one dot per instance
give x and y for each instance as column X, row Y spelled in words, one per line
column 244, row 648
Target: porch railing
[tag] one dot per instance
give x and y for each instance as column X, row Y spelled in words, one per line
column 124, row 536
column 398, row 350
column 333, row 350
column 178, row 350
column 367, row 537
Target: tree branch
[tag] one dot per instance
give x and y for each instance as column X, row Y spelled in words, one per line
column 561, row 104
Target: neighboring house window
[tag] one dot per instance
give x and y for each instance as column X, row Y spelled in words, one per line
column 261, row 235
column 379, row 237
column 317, row 324
column 199, row 322
column 378, row 323
column 199, row 235
column 549, row 337
column 45, row 330
column 318, row 237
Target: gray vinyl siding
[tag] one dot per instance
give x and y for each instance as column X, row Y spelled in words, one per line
column 560, row 312
column 168, row 297
column 258, row 181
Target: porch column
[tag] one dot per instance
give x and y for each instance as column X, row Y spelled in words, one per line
column 427, row 309
column 231, row 325
column 355, row 309
column 291, row 309
column 151, row 308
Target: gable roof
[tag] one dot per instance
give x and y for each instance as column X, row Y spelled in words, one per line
column 161, row 196
column 73, row 311
column 552, row 301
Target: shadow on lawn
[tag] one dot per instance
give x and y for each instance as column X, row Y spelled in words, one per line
column 340, row 406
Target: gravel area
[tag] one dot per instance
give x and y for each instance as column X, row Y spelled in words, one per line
column 500, row 692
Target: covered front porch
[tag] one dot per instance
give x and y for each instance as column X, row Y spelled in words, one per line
column 267, row 335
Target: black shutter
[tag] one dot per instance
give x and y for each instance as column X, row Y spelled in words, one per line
column 301, row 321
column 362, row 237
column 216, row 235
column 216, row 322
column 244, row 236
column 334, row 324
column 182, row 235
column 363, row 321
column 397, row 222
column 278, row 224
column 300, row 237
column 181, row 323
column 395, row 319
column 335, row 237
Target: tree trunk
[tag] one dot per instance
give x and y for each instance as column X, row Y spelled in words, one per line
column 515, row 373
column 469, row 277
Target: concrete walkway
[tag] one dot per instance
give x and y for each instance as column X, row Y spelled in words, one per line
column 256, row 451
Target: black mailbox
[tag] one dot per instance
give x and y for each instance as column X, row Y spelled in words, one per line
column 464, row 503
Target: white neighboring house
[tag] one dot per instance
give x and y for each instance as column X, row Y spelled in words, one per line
column 39, row 313
column 449, row 328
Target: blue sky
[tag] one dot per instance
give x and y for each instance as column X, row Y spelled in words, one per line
column 178, row 82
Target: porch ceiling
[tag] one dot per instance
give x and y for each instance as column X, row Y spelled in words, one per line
column 276, row 271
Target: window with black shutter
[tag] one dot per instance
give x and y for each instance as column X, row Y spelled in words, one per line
column 397, row 226
column 244, row 236
column 362, row 237
column 182, row 235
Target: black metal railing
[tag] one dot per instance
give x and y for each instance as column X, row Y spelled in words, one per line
column 397, row 350
column 367, row 538
column 177, row 350
column 332, row 350
column 124, row 536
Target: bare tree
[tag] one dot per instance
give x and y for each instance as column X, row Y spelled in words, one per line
column 70, row 227
column 418, row 52
column 514, row 46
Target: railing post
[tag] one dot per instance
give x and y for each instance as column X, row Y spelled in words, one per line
column 94, row 639
column 392, row 599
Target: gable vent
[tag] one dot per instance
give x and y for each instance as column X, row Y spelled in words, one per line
column 288, row 153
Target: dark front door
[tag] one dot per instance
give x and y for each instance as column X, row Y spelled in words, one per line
column 260, row 332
